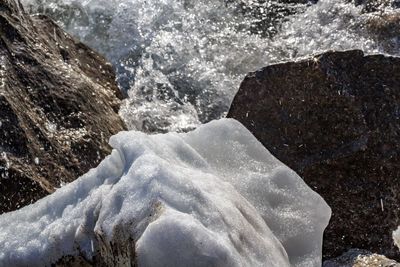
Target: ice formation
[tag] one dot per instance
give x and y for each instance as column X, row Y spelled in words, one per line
column 396, row 237
column 211, row 197
column 182, row 60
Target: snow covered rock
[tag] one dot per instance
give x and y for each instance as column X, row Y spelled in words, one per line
column 211, row 197
column 58, row 107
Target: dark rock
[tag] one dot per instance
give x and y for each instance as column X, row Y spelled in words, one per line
column 380, row 23
column 360, row 258
column 268, row 15
column 384, row 29
column 335, row 119
column 58, row 107
column 376, row 5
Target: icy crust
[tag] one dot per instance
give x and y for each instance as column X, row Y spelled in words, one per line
column 396, row 237
column 211, row 197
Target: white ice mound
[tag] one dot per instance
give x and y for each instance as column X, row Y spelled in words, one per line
column 211, row 197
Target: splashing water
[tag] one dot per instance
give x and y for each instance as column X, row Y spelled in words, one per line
column 181, row 61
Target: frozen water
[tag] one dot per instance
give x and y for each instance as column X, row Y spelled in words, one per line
column 396, row 237
column 211, row 197
column 182, row 61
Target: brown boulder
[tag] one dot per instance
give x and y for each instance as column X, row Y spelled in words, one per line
column 335, row 119
column 58, row 107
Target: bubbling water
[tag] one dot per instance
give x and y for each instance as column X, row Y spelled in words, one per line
column 181, row 61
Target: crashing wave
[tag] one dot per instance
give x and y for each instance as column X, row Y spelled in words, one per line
column 181, row 62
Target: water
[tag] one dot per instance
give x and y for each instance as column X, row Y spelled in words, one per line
column 181, row 61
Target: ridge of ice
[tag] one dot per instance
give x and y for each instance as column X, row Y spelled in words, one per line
column 211, row 197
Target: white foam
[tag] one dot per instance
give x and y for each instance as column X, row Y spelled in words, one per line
column 211, row 197
column 183, row 61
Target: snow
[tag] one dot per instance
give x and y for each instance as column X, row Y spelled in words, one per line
column 396, row 237
column 211, row 197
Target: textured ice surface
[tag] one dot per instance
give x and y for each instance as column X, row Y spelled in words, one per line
column 183, row 60
column 396, row 237
column 211, row 197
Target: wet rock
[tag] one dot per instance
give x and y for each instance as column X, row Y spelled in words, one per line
column 376, row 5
column 58, row 107
column 335, row 119
column 380, row 23
column 267, row 16
column 384, row 28
column 360, row 258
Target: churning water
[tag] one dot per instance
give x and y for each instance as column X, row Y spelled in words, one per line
column 181, row 61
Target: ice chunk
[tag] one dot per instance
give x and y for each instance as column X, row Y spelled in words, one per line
column 211, row 197
column 396, row 237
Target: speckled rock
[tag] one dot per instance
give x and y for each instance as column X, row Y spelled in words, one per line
column 335, row 119
column 376, row 5
column 360, row 258
column 268, row 15
column 381, row 23
column 58, row 107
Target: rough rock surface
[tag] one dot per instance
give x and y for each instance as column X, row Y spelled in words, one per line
column 334, row 119
column 382, row 23
column 376, row 5
column 58, row 107
column 268, row 15
column 361, row 258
